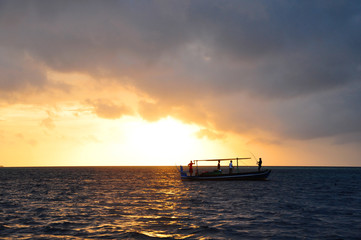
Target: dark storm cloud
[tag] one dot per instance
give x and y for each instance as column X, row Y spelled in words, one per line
column 293, row 47
column 328, row 114
column 18, row 71
column 294, row 65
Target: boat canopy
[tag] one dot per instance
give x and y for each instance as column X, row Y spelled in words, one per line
column 223, row 159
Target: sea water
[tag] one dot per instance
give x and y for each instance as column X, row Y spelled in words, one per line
column 153, row 203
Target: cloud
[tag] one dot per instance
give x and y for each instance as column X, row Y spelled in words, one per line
column 18, row 71
column 32, row 142
column 20, row 135
column 105, row 108
column 291, row 69
column 151, row 111
column 48, row 123
column 328, row 114
column 209, row 134
column 92, row 138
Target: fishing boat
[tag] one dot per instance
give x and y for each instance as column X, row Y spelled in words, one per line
column 218, row 175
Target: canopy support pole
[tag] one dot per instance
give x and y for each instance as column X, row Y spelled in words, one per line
column 197, row 168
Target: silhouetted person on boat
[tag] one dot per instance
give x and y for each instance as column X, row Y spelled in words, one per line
column 219, row 166
column 190, row 168
column 259, row 164
column 230, row 167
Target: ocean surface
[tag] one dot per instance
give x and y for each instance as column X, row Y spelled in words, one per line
column 153, row 203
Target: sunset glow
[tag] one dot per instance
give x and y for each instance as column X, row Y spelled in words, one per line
column 161, row 83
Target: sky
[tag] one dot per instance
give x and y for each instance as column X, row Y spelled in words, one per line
column 86, row 83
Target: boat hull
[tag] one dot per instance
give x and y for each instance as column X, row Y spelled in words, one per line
column 262, row 175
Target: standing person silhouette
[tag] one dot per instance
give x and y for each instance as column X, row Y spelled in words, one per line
column 259, row 164
column 219, row 166
column 230, row 167
column 190, row 168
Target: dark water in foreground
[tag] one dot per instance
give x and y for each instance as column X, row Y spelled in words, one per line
column 151, row 203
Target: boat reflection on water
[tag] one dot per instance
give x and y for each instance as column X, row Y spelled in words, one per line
column 218, row 175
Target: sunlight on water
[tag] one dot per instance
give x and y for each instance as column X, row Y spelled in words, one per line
column 160, row 234
column 141, row 203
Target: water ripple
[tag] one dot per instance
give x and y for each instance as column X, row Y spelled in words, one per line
column 152, row 203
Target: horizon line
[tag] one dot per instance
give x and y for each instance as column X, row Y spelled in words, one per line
column 80, row 166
